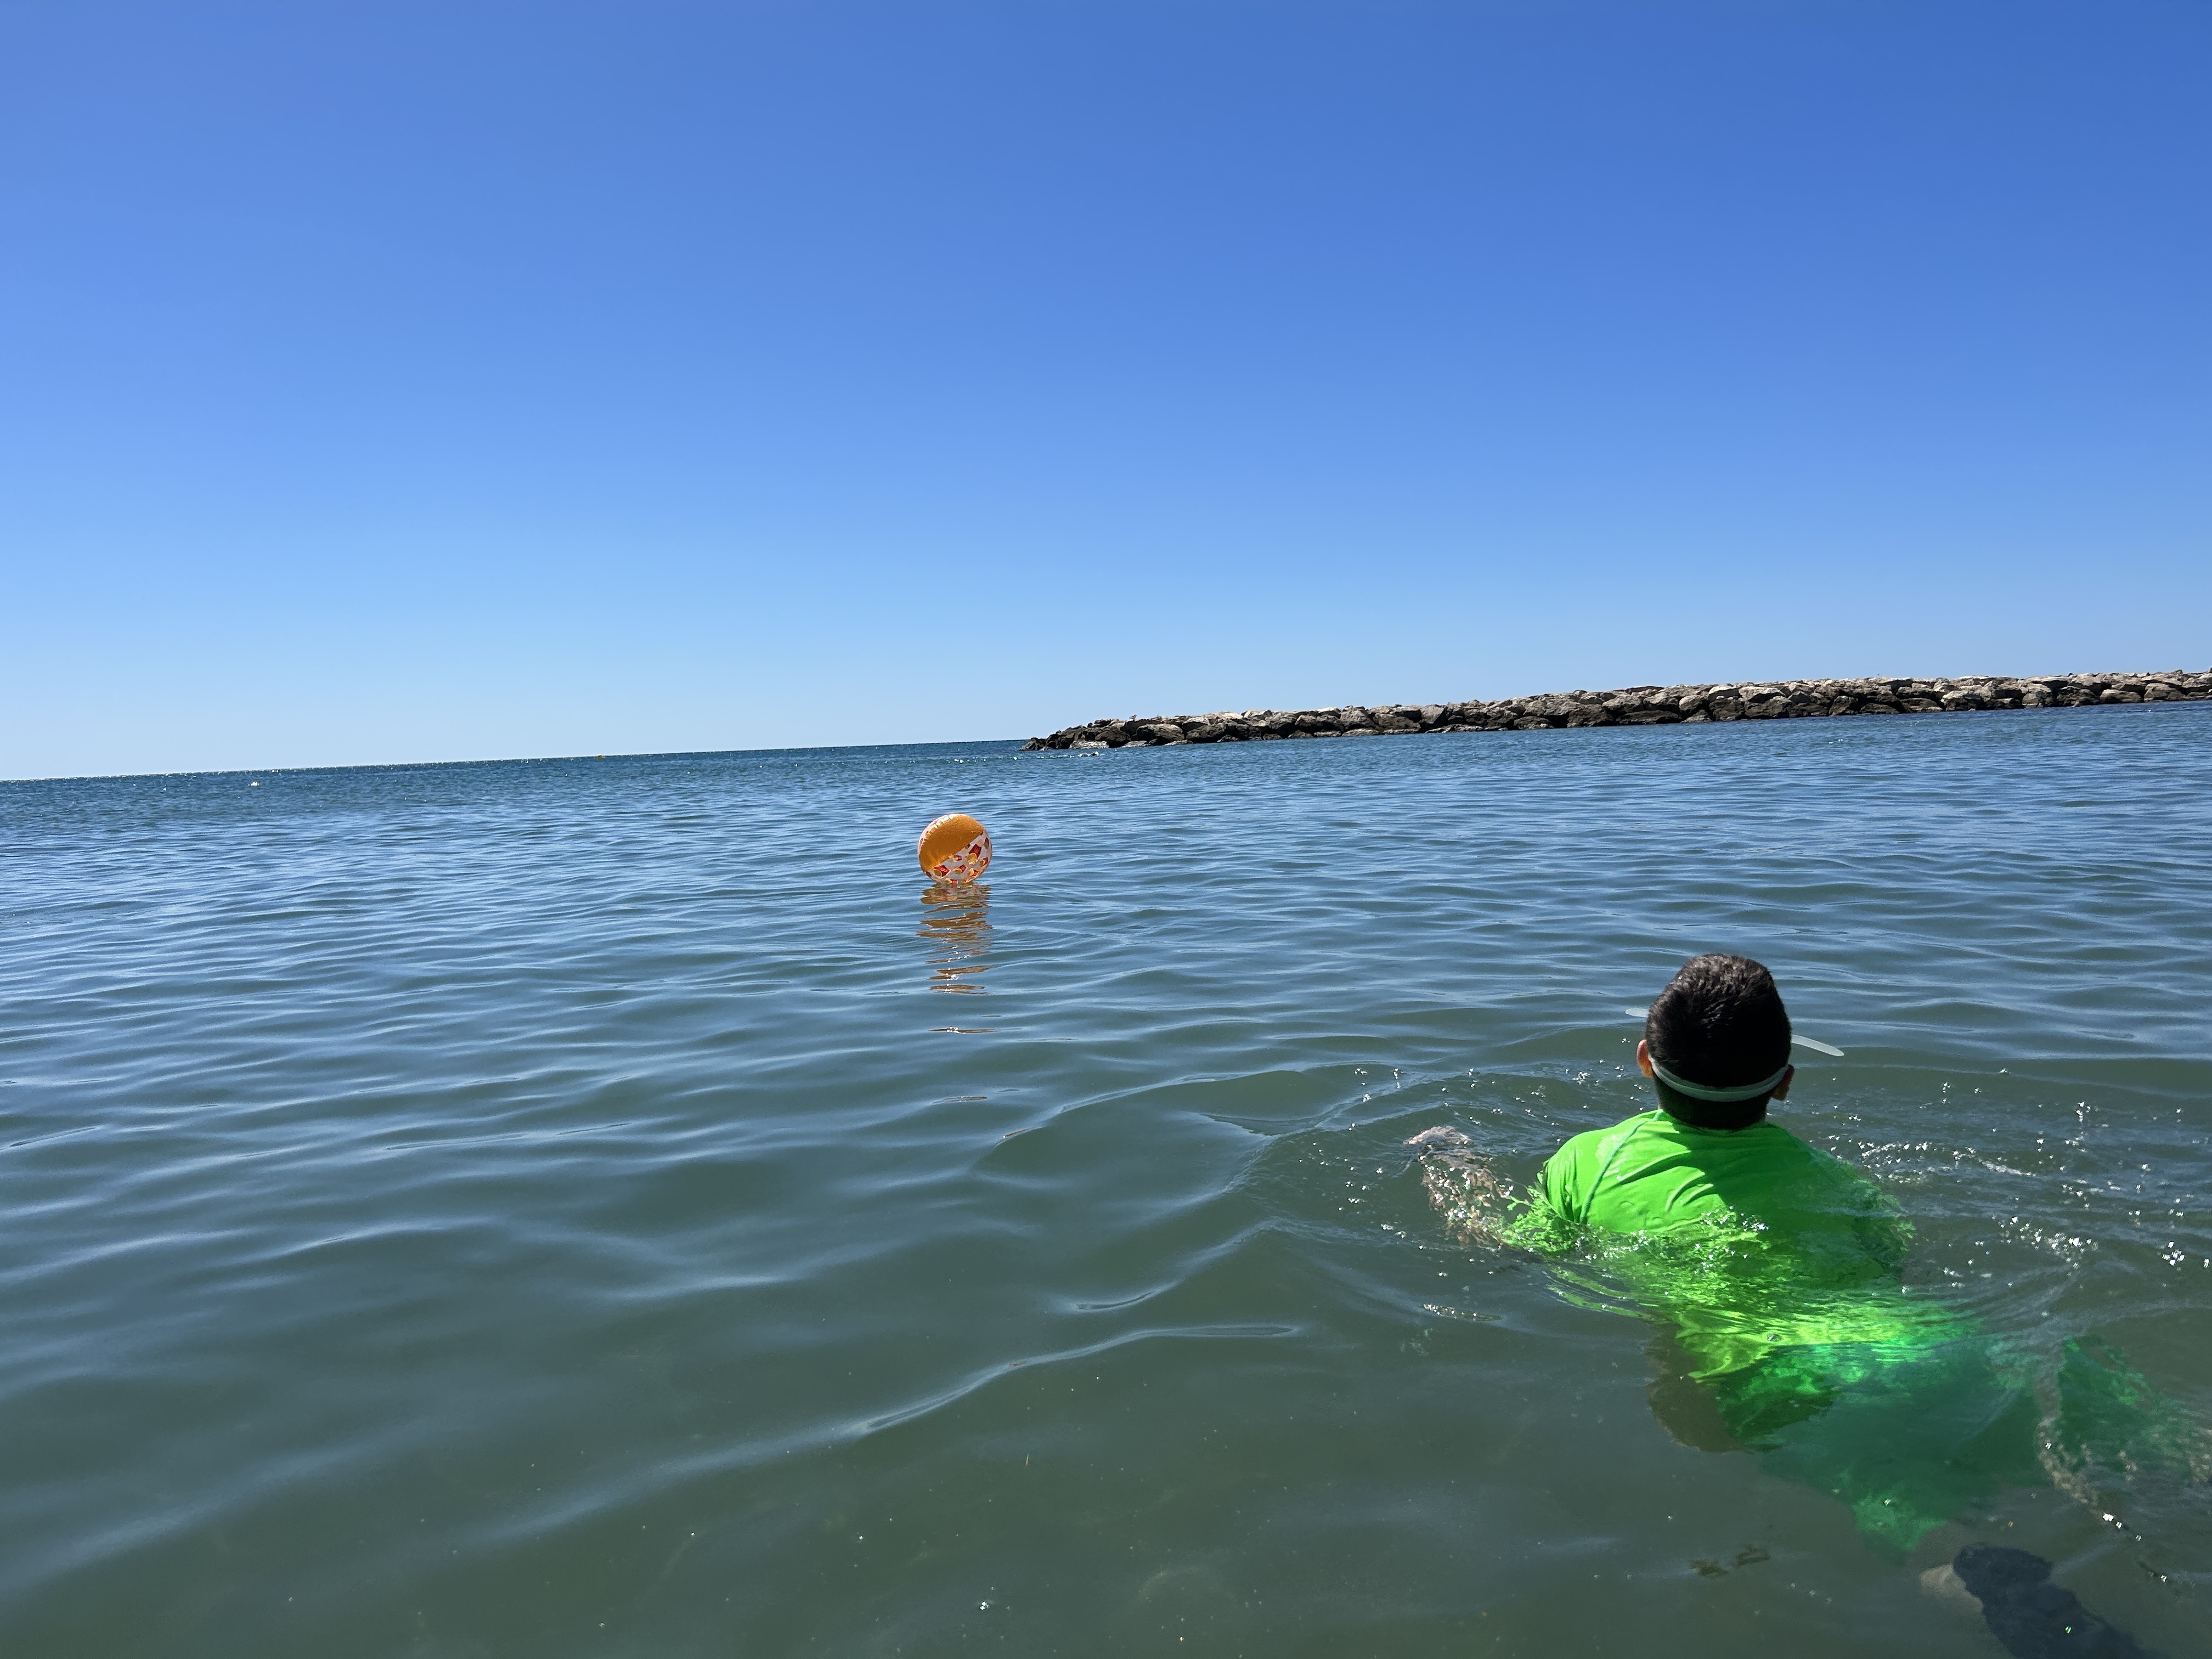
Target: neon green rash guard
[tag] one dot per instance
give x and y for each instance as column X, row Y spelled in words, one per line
column 1746, row 1239
column 1776, row 1266
column 1651, row 1172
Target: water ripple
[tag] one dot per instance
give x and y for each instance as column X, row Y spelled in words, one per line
column 555, row 1207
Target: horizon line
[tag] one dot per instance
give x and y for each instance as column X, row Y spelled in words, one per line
column 494, row 760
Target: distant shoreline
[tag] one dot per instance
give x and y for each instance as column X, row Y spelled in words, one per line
column 1641, row 705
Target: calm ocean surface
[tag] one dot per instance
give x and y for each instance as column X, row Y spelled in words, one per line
column 606, row 1207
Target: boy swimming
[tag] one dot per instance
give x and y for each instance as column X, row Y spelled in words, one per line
column 1775, row 1269
column 1717, row 1048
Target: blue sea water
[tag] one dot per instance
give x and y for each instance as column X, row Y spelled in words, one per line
column 613, row 1207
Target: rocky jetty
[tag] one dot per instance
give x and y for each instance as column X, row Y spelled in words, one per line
column 1640, row 705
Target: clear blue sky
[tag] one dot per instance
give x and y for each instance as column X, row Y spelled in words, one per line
column 412, row 381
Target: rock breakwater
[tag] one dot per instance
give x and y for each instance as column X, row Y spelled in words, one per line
column 1641, row 705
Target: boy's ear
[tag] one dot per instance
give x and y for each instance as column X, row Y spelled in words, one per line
column 1643, row 1056
column 1782, row 1089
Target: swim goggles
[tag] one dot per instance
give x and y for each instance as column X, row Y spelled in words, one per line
column 1706, row 1091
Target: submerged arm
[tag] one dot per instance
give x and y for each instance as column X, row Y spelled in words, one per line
column 1479, row 1204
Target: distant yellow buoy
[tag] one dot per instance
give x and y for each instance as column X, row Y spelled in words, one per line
column 955, row 849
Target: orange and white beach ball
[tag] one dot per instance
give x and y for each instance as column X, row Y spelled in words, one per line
column 955, row 849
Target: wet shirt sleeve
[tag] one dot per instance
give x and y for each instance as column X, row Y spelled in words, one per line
column 1542, row 1223
column 1883, row 1232
column 1566, row 1181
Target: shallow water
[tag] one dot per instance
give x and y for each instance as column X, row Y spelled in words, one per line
column 607, row 1207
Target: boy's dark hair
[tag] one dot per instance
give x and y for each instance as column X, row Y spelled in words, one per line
column 1720, row 1022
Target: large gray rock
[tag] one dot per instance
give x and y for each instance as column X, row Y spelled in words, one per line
column 1552, row 709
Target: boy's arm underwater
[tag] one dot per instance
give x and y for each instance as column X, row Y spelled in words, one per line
column 1481, row 1207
